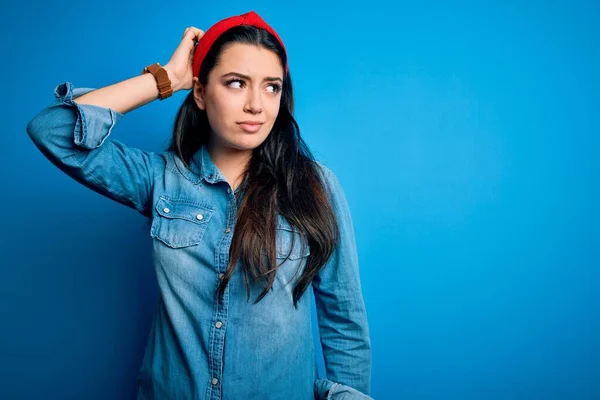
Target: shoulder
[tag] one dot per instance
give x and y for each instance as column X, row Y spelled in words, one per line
column 336, row 194
column 326, row 173
column 330, row 180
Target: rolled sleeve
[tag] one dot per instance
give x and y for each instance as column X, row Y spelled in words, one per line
column 93, row 124
column 75, row 138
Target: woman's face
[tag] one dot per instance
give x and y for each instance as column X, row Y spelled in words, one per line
column 244, row 86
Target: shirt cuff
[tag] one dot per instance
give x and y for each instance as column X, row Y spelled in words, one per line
column 329, row 390
column 94, row 123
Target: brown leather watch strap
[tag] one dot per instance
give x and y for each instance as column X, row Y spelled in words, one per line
column 162, row 80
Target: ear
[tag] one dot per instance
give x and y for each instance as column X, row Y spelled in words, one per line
column 199, row 93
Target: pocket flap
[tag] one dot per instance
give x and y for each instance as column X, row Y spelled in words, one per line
column 182, row 209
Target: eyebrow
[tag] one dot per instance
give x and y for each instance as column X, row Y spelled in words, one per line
column 267, row 78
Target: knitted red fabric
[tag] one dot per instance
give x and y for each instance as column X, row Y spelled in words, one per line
column 209, row 37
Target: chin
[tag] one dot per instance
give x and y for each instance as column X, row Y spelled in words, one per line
column 245, row 144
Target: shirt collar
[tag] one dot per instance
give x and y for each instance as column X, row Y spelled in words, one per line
column 203, row 167
column 206, row 168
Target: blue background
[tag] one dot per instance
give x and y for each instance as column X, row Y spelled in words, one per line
column 465, row 136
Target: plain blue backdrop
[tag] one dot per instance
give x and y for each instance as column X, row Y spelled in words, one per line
column 465, row 136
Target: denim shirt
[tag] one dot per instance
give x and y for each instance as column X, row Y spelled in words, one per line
column 201, row 347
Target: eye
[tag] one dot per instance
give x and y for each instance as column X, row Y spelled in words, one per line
column 239, row 81
column 276, row 88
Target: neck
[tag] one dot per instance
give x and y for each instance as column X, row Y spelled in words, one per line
column 231, row 162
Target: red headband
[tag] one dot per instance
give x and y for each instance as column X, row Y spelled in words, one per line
column 206, row 41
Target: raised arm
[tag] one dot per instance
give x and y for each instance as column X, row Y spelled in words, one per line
column 75, row 138
column 73, row 132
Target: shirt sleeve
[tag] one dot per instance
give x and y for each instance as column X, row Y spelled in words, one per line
column 75, row 138
column 328, row 390
column 341, row 312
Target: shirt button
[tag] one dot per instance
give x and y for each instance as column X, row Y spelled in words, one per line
column 219, row 324
column 215, row 381
column 166, row 210
column 227, row 230
column 221, row 276
column 228, row 190
column 199, row 217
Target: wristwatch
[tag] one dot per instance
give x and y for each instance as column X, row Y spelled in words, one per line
column 162, row 80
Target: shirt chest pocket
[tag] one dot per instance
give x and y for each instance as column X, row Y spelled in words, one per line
column 179, row 222
column 289, row 241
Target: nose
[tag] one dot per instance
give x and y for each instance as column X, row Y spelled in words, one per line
column 253, row 101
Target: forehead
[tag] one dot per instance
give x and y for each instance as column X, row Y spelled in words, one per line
column 249, row 60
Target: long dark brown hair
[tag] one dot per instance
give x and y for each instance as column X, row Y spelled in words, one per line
column 281, row 177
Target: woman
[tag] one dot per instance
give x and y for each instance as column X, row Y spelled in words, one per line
column 246, row 225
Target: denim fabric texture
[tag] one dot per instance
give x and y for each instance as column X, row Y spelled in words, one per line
column 199, row 347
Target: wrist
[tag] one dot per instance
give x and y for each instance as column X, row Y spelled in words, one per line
column 172, row 78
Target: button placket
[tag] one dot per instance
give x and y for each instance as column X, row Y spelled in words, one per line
column 220, row 311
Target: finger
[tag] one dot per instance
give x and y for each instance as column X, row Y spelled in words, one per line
column 188, row 35
column 195, row 33
column 188, row 42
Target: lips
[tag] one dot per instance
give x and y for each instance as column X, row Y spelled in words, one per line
column 250, row 126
